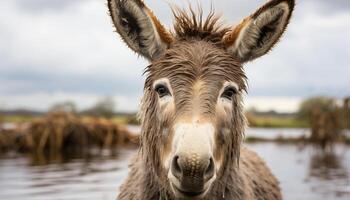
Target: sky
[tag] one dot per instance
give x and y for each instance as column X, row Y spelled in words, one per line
column 67, row 50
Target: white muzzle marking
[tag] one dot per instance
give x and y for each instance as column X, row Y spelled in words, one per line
column 195, row 138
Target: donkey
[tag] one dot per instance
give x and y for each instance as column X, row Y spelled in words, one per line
column 192, row 109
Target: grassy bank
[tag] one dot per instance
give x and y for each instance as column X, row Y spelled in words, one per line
column 281, row 140
column 18, row 118
column 276, row 122
column 254, row 121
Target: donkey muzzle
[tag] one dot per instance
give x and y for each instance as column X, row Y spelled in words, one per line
column 192, row 171
column 192, row 167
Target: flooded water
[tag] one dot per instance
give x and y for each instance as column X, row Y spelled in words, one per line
column 72, row 179
column 304, row 173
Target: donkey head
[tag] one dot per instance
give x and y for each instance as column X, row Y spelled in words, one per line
column 191, row 113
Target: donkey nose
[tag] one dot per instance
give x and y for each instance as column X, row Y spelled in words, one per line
column 192, row 170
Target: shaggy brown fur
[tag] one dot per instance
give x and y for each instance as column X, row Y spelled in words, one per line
column 183, row 64
column 192, row 26
column 196, row 53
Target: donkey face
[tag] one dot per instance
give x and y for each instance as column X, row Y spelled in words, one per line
column 195, row 89
column 192, row 115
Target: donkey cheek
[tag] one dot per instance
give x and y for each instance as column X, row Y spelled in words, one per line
column 167, row 140
column 220, row 145
column 166, row 111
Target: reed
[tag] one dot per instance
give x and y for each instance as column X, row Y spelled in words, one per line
column 65, row 132
column 6, row 140
column 325, row 126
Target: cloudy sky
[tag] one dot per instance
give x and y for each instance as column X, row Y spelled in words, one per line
column 57, row 50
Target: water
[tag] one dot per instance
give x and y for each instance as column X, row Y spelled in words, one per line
column 267, row 133
column 304, row 173
column 77, row 178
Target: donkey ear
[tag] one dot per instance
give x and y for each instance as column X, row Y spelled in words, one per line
column 258, row 33
column 139, row 28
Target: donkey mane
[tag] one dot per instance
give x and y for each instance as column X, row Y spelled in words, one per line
column 190, row 24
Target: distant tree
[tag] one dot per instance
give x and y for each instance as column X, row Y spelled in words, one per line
column 324, row 118
column 321, row 104
column 347, row 103
column 1, row 114
column 345, row 112
column 103, row 108
column 67, row 106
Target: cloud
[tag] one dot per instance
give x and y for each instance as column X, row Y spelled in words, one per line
column 44, row 5
column 329, row 7
column 66, row 46
column 43, row 101
column 99, row 83
column 281, row 104
column 69, row 47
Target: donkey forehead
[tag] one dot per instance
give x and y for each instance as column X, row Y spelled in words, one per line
column 187, row 62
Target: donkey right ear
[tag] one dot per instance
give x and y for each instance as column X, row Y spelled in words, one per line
column 258, row 33
column 139, row 28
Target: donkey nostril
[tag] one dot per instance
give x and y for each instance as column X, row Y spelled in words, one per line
column 209, row 172
column 203, row 170
column 175, row 167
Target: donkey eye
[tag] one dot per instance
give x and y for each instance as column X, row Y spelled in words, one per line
column 229, row 93
column 162, row 90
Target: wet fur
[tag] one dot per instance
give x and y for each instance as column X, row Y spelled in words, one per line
column 243, row 174
column 197, row 51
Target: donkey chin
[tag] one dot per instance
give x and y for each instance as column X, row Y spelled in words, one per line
column 191, row 165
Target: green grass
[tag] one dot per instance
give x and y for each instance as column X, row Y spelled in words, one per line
column 17, row 118
column 275, row 122
column 120, row 120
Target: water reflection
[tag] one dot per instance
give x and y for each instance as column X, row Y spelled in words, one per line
column 47, row 158
column 327, row 166
column 71, row 176
column 327, row 169
column 305, row 174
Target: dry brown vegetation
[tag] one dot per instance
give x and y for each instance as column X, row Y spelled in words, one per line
column 327, row 119
column 325, row 127
column 64, row 132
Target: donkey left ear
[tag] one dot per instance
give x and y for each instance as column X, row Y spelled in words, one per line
column 258, row 33
column 139, row 28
